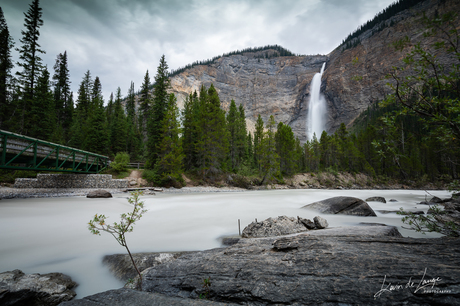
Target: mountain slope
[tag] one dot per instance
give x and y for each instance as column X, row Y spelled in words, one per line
column 280, row 86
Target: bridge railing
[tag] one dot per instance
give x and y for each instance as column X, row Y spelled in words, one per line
column 27, row 153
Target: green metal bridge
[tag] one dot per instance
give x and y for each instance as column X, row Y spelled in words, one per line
column 26, row 153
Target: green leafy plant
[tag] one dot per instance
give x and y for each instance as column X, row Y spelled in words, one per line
column 121, row 162
column 433, row 222
column 119, row 229
column 206, row 287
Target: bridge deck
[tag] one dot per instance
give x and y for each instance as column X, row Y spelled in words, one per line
column 27, row 153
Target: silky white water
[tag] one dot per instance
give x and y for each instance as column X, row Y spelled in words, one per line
column 317, row 108
column 50, row 234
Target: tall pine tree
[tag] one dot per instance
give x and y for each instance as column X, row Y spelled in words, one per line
column 158, row 111
column 170, row 155
column 6, row 64
column 118, row 130
column 61, row 78
column 30, row 62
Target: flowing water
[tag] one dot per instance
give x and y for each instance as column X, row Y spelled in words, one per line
column 45, row 235
column 317, row 107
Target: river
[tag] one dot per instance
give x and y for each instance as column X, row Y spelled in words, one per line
column 42, row 235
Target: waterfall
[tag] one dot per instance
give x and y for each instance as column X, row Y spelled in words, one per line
column 317, row 107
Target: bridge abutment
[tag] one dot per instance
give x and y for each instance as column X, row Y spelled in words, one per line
column 71, row 181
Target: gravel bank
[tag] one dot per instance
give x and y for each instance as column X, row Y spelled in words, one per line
column 11, row 193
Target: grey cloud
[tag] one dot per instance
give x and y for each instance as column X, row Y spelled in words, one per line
column 118, row 40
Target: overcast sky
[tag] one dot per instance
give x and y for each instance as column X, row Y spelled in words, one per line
column 118, row 40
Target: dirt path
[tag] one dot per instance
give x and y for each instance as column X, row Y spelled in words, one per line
column 135, row 174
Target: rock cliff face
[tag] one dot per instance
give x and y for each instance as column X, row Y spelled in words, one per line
column 277, row 86
column 280, row 86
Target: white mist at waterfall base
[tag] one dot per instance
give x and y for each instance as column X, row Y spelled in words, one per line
column 317, row 107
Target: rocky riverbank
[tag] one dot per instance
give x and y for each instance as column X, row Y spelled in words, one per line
column 10, row 193
column 360, row 265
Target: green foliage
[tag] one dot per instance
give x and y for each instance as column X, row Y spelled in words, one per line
column 97, row 136
column 119, row 229
column 158, row 111
column 170, row 154
column 269, row 161
column 121, row 162
column 6, row 64
column 118, row 126
column 206, row 288
column 9, row 176
column 30, row 62
column 432, row 222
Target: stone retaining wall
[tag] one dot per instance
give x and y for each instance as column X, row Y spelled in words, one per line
column 71, row 181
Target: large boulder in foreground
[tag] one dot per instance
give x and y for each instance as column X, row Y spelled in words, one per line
column 17, row 288
column 347, row 267
column 99, row 194
column 342, row 206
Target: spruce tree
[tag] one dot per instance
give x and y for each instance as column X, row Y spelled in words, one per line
column 212, row 146
column 144, row 105
column 242, row 135
column 285, row 148
column 188, row 133
column 232, row 125
column 170, row 155
column 269, row 159
column 258, row 137
column 158, row 111
column 61, row 78
column 110, row 110
column 43, row 112
column 133, row 133
column 6, row 64
column 30, row 61
column 118, row 130
column 97, row 137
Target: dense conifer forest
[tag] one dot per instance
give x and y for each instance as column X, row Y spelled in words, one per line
column 400, row 137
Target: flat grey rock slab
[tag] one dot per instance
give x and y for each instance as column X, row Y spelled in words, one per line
column 346, row 267
column 125, row 297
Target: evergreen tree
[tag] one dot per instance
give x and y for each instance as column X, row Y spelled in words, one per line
column 285, row 148
column 64, row 107
column 158, row 111
column 212, row 146
column 134, row 139
column 232, row 125
column 6, row 64
column 170, row 154
column 30, row 61
column 110, row 110
column 84, row 95
column 118, row 131
column 130, row 104
column 258, row 137
column 97, row 137
column 144, row 105
column 241, row 140
column 42, row 109
column 189, row 137
column 269, row 159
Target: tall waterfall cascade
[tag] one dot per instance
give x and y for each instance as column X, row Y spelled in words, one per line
column 316, row 116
